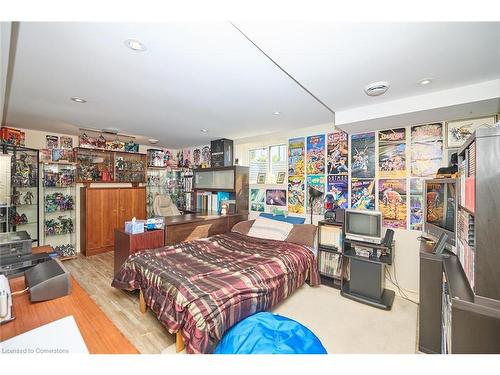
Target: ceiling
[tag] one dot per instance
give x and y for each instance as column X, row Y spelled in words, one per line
column 197, row 76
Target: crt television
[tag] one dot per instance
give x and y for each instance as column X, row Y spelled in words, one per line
column 440, row 208
column 363, row 225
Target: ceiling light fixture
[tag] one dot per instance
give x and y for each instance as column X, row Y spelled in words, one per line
column 204, row 130
column 425, row 81
column 78, row 100
column 276, row 113
column 135, row 45
column 152, row 140
column 376, row 88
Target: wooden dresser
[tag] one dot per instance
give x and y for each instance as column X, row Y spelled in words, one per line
column 104, row 209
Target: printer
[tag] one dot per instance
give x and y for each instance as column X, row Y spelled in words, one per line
column 16, row 253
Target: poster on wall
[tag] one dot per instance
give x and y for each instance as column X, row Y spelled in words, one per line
column 426, row 149
column 457, row 132
column 337, row 153
column 259, row 207
column 257, row 195
column 337, row 187
column 276, row 197
column 296, row 194
column 392, row 153
column 316, row 154
column 416, row 203
column 363, row 194
column 196, row 155
column 363, row 155
column 186, row 156
column 392, row 202
column 296, row 156
column 52, row 141
column 318, row 183
column 205, row 157
column 66, row 142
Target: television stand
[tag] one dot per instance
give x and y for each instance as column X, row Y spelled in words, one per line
column 367, row 275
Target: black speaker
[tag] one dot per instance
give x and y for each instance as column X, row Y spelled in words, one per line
column 389, row 235
column 340, row 215
column 222, row 152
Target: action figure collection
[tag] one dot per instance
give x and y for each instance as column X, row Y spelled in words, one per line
column 61, row 225
column 58, row 202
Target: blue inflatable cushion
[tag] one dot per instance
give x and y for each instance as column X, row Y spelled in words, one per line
column 288, row 219
column 267, row 333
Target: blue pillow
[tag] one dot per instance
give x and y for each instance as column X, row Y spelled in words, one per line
column 288, row 219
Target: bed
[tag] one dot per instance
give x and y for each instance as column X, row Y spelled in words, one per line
column 200, row 289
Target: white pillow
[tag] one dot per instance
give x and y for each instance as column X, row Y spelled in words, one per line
column 270, row 229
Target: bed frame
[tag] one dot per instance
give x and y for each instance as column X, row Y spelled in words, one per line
column 179, row 340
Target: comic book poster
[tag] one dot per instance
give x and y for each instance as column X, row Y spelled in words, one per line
column 363, row 194
column 363, row 155
column 441, row 201
column 337, row 153
column 316, row 154
column 296, row 194
column 66, row 142
column 416, row 203
column 426, row 149
column 392, row 202
column 318, row 183
column 276, row 197
column 337, row 187
column 296, row 156
column 392, row 153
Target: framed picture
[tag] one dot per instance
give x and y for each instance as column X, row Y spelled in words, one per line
column 261, row 178
column 66, row 143
column 280, row 179
column 52, row 141
column 458, row 131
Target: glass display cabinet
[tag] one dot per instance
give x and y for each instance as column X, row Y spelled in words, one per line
column 130, row 167
column 168, row 181
column 59, row 207
column 21, row 211
column 94, row 165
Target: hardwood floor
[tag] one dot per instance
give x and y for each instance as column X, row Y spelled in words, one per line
column 144, row 331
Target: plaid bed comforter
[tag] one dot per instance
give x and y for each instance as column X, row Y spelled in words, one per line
column 203, row 287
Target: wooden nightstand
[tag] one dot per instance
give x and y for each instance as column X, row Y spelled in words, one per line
column 127, row 244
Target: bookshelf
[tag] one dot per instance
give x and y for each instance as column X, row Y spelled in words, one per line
column 330, row 253
column 459, row 291
column 211, row 186
column 478, row 217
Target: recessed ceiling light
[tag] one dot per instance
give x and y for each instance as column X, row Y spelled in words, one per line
column 376, row 88
column 135, row 45
column 152, row 140
column 78, row 100
column 204, row 130
column 276, row 113
column 425, row 81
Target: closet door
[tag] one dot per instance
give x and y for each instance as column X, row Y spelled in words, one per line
column 109, row 215
column 132, row 204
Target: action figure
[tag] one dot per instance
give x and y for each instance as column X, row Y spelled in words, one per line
column 28, row 198
column 16, row 198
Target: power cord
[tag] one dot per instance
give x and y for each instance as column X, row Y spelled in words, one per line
column 19, row 292
column 396, row 283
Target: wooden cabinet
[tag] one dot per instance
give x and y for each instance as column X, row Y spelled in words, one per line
column 127, row 244
column 103, row 210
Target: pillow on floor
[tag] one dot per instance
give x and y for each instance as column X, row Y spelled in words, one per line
column 270, row 229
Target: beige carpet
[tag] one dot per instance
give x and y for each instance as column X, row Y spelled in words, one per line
column 342, row 325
